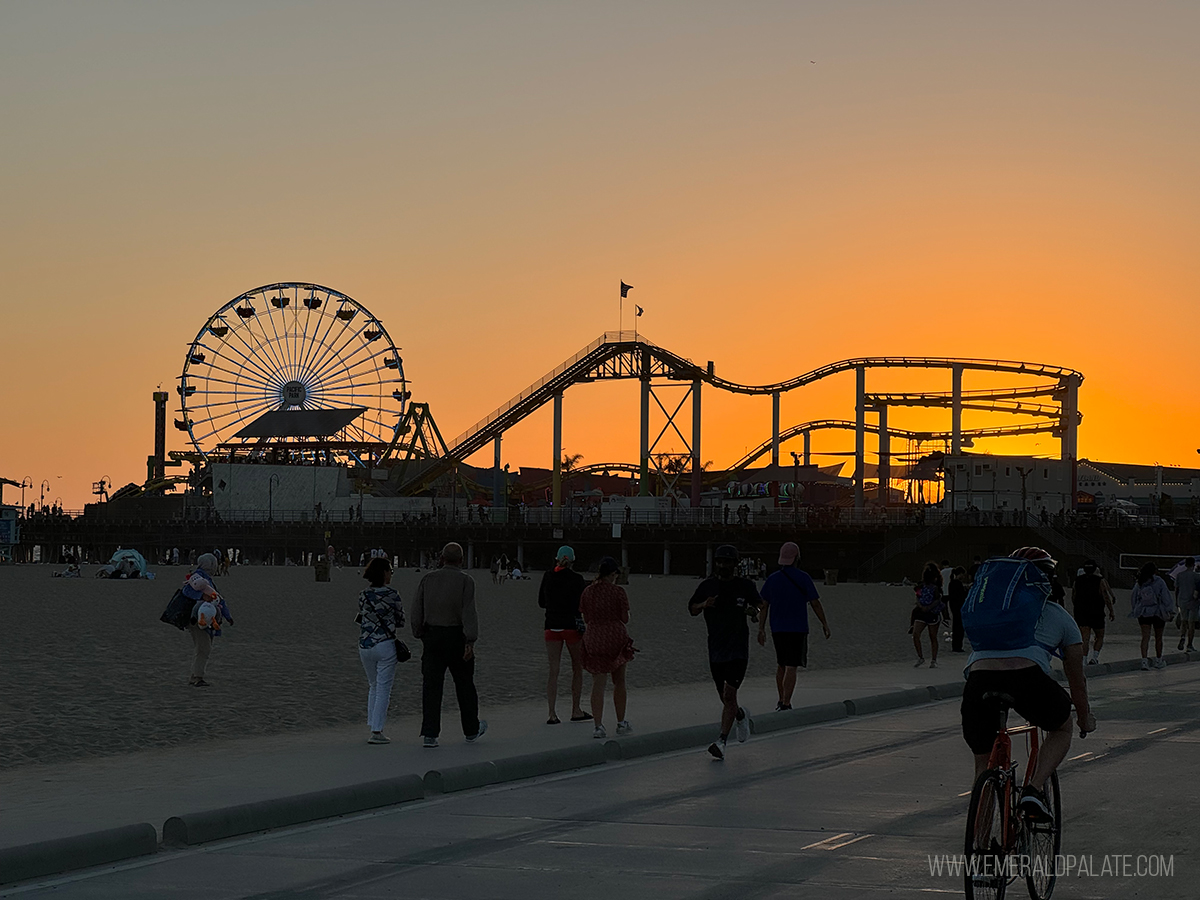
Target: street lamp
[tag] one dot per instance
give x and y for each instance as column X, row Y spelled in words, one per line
column 271, row 482
column 45, row 487
column 27, row 482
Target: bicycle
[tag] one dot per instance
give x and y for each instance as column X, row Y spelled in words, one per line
column 1002, row 843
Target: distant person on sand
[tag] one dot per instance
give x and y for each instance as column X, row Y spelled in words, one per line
column 380, row 616
column 444, row 619
column 956, row 594
column 1187, row 586
column 559, row 597
column 727, row 601
column 927, row 613
column 607, row 646
column 787, row 594
column 205, row 622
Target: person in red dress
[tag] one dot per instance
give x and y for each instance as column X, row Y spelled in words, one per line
column 607, row 646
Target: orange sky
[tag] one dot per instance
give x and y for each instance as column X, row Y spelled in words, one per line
column 783, row 184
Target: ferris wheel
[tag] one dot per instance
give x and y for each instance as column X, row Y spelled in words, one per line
column 290, row 348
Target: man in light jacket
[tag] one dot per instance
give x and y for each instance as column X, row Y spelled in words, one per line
column 445, row 621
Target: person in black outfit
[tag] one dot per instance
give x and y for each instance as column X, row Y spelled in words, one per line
column 727, row 601
column 559, row 597
column 957, row 593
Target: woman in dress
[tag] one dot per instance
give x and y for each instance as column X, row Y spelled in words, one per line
column 380, row 617
column 927, row 613
column 607, row 646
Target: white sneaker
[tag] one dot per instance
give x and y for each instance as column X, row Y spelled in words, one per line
column 624, row 728
column 1160, row 663
column 741, row 727
column 472, row 738
column 933, row 664
column 1092, row 661
column 599, row 732
column 1145, row 664
column 717, row 749
column 920, row 662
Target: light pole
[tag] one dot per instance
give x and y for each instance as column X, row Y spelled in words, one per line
column 26, row 482
column 1024, row 473
column 45, row 487
column 271, row 482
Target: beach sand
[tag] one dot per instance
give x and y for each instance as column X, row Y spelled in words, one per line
column 89, row 670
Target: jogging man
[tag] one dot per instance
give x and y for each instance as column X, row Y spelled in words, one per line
column 1022, row 673
column 787, row 594
column 727, row 600
column 1091, row 597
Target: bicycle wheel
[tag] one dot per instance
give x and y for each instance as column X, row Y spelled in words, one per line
column 984, row 873
column 1043, row 841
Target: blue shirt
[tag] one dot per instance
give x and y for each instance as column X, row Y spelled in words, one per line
column 789, row 591
column 1056, row 631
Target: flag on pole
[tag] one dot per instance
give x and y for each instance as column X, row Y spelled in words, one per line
column 639, row 309
column 625, row 289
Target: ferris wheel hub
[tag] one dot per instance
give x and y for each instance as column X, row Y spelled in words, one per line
column 294, row 393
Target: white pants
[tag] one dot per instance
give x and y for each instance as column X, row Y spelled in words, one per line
column 380, row 665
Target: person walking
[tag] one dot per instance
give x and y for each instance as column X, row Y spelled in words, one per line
column 787, row 594
column 559, row 595
column 1091, row 598
column 380, row 616
column 201, row 589
column 1187, row 589
column 727, row 601
column 606, row 645
column 955, row 595
column 927, row 613
column 445, row 621
column 1151, row 602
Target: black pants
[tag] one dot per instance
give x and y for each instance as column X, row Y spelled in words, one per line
column 444, row 648
column 956, row 628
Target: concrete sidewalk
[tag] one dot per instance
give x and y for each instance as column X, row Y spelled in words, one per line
column 44, row 802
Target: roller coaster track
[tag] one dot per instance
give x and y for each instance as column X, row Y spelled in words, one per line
column 845, row 425
column 626, row 355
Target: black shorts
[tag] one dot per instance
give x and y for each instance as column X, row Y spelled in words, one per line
column 1152, row 620
column 1039, row 700
column 791, row 647
column 929, row 617
column 731, row 672
column 1090, row 618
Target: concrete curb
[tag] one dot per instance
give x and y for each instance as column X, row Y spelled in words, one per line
column 78, row 852
column 551, row 762
column 663, row 741
column 460, row 778
column 797, row 718
column 952, row 690
column 215, row 824
column 892, row 700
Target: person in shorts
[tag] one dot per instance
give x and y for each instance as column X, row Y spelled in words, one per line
column 727, row 602
column 1024, row 674
column 1091, row 597
column 559, row 596
column 1187, row 598
column 787, row 594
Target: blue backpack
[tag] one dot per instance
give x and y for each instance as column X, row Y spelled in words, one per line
column 1004, row 604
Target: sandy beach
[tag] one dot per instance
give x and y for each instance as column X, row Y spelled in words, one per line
column 89, row 670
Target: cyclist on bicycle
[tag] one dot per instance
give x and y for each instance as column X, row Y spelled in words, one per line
column 1023, row 672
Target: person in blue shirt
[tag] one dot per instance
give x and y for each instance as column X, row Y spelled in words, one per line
column 788, row 593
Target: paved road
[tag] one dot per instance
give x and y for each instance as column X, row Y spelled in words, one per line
column 845, row 810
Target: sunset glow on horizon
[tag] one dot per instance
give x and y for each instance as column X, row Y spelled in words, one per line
column 783, row 185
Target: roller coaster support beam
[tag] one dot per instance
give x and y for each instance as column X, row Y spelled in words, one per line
column 775, row 428
column 808, row 448
column 696, row 464
column 1070, row 426
column 860, row 434
column 956, row 410
column 556, row 490
column 497, row 474
column 885, row 456
column 644, row 446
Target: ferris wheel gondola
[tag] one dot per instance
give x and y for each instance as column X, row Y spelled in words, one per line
column 292, row 347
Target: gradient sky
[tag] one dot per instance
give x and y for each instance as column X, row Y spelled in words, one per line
column 784, row 184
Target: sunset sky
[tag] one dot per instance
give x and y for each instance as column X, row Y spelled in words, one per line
column 784, row 185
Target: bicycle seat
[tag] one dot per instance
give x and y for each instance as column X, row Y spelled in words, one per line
column 1006, row 700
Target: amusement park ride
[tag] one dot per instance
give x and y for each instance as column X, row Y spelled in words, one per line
column 297, row 374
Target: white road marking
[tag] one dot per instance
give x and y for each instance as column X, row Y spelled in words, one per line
column 1156, row 731
column 828, row 840
column 1080, row 756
